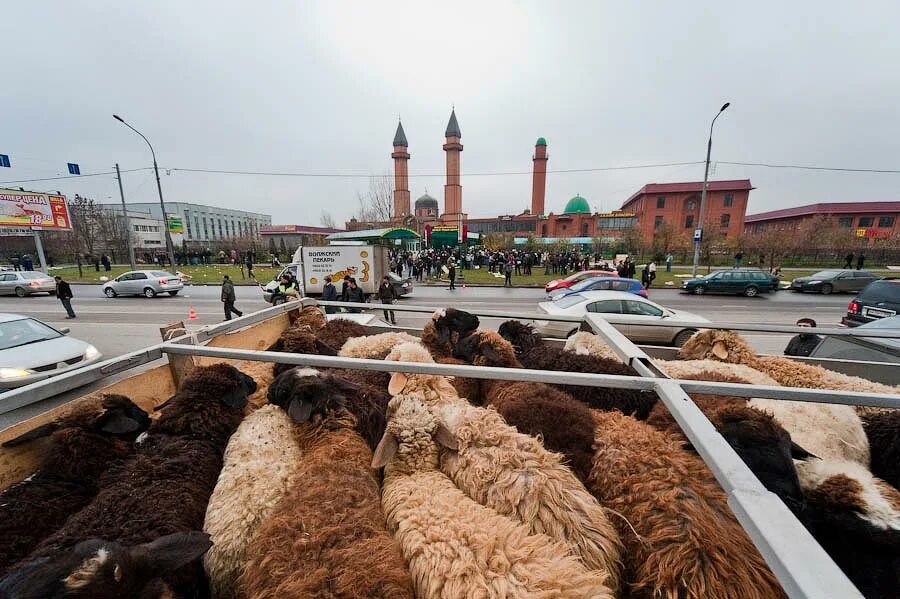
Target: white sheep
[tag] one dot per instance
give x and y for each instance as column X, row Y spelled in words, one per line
column 511, row 472
column 374, row 347
column 454, row 546
column 258, row 469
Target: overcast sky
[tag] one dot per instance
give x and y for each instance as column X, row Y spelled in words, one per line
column 317, row 88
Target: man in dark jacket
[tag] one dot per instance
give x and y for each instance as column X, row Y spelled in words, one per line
column 329, row 294
column 355, row 294
column 387, row 295
column 451, row 273
column 228, row 297
column 344, row 287
column 804, row 343
column 64, row 293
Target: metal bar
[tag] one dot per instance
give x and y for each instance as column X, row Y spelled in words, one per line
column 432, row 309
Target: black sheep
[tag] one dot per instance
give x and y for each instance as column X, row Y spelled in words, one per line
column 165, row 487
column 534, row 353
column 883, row 431
column 298, row 340
column 106, row 570
column 81, row 447
column 445, row 329
column 337, row 330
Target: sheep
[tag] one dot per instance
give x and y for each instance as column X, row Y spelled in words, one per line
column 311, row 316
column 446, row 327
column 534, row 353
column 454, row 546
column 511, row 472
column 258, row 469
column 82, row 445
column 589, row 344
column 165, row 487
column 883, row 433
column 298, row 340
column 106, row 570
column 374, row 347
column 338, row 331
column 327, row 536
column 685, row 542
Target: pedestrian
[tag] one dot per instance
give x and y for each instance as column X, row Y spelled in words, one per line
column 738, row 257
column 344, row 287
column 804, row 343
column 630, row 268
column 329, row 294
column 27, row 263
column 451, row 273
column 104, row 259
column 652, row 273
column 508, row 271
column 860, row 261
column 250, row 274
column 16, row 262
column 355, row 294
column 669, row 259
column 848, row 260
column 645, row 276
column 64, row 293
column 387, row 295
column 228, row 298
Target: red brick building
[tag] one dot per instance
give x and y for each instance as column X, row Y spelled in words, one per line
column 679, row 204
column 872, row 220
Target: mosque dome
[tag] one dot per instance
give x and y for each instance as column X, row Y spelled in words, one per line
column 426, row 201
column 541, row 142
column 576, row 205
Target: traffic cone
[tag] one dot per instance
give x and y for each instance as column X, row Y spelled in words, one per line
column 192, row 315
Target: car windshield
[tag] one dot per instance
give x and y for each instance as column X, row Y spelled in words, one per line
column 15, row 333
column 826, row 274
column 394, row 276
column 581, row 286
column 570, row 300
column 33, row 275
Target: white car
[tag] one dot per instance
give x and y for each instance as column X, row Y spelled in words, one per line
column 628, row 308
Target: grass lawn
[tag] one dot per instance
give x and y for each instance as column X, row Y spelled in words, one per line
column 211, row 273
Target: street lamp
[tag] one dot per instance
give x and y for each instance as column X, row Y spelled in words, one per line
column 698, row 238
column 162, row 205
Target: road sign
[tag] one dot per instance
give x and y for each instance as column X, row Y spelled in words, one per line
column 74, row 169
column 698, row 235
column 4, row 160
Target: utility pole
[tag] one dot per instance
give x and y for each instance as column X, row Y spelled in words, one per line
column 127, row 224
column 698, row 232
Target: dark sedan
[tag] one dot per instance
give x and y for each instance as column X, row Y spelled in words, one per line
column 402, row 286
column 834, row 281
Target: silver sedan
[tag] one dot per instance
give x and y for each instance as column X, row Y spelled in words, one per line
column 26, row 282
column 148, row 283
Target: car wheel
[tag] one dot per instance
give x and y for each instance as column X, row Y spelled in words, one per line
column 173, row 293
column 148, row 292
column 20, row 292
column 699, row 290
column 109, row 292
column 827, row 289
column 682, row 337
column 278, row 301
column 751, row 291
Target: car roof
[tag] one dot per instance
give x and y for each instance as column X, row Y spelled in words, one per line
column 606, row 294
column 7, row 317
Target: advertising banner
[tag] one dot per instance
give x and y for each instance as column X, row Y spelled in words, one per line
column 36, row 210
column 175, row 224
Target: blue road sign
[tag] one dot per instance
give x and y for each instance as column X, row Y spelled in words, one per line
column 4, row 160
column 698, row 235
column 74, row 169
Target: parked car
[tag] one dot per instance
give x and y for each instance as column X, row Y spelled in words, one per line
column 577, row 278
column 26, row 282
column 402, row 286
column 868, row 349
column 880, row 299
column 602, row 283
column 831, row 281
column 749, row 282
column 148, row 283
column 628, row 307
column 31, row 350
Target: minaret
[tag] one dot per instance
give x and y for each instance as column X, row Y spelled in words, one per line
column 452, row 190
column 401, row 175
column 539, row 178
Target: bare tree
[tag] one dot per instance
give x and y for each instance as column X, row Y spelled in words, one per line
column 664, row 238
column 86, row 223
column 326, row 220
column 376, row 205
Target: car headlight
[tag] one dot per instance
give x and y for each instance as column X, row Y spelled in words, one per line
column 13, row 373
column 405, row 285
column 91, row 353
column 811, row 282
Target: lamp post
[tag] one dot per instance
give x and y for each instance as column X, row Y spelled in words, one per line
column 699, row 238
column 169, row 247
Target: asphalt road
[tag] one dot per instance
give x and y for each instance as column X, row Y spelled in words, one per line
column 119, row 325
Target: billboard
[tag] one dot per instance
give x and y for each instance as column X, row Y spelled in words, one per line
column 175, row 224
column 36, row 210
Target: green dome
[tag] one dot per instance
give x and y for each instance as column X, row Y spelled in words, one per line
column 576, row 205
column 541, row 142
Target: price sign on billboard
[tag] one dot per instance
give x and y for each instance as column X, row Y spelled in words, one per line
column 35, row 210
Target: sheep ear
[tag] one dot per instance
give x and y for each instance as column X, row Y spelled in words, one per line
column 117, row 423
column 299, row 411
column 171, row 552
column 386, row 449
column 445, row 438
column 719, row 350
column 35, row 433
column 798, row 453
column 397, row 383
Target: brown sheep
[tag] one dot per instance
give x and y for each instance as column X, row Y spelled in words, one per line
column 327, row 536
column 337, row 331
column 311, row 316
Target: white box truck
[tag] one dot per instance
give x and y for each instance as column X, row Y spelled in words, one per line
column 310, row 265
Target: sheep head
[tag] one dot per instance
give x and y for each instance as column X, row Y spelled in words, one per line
column 446, row 328
column 309, row 396
column 487, row 348
column 522, row 336
column 724, row 346
column 104, row 569
column 222, row 381
column 413, row 433
column 116, row 415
